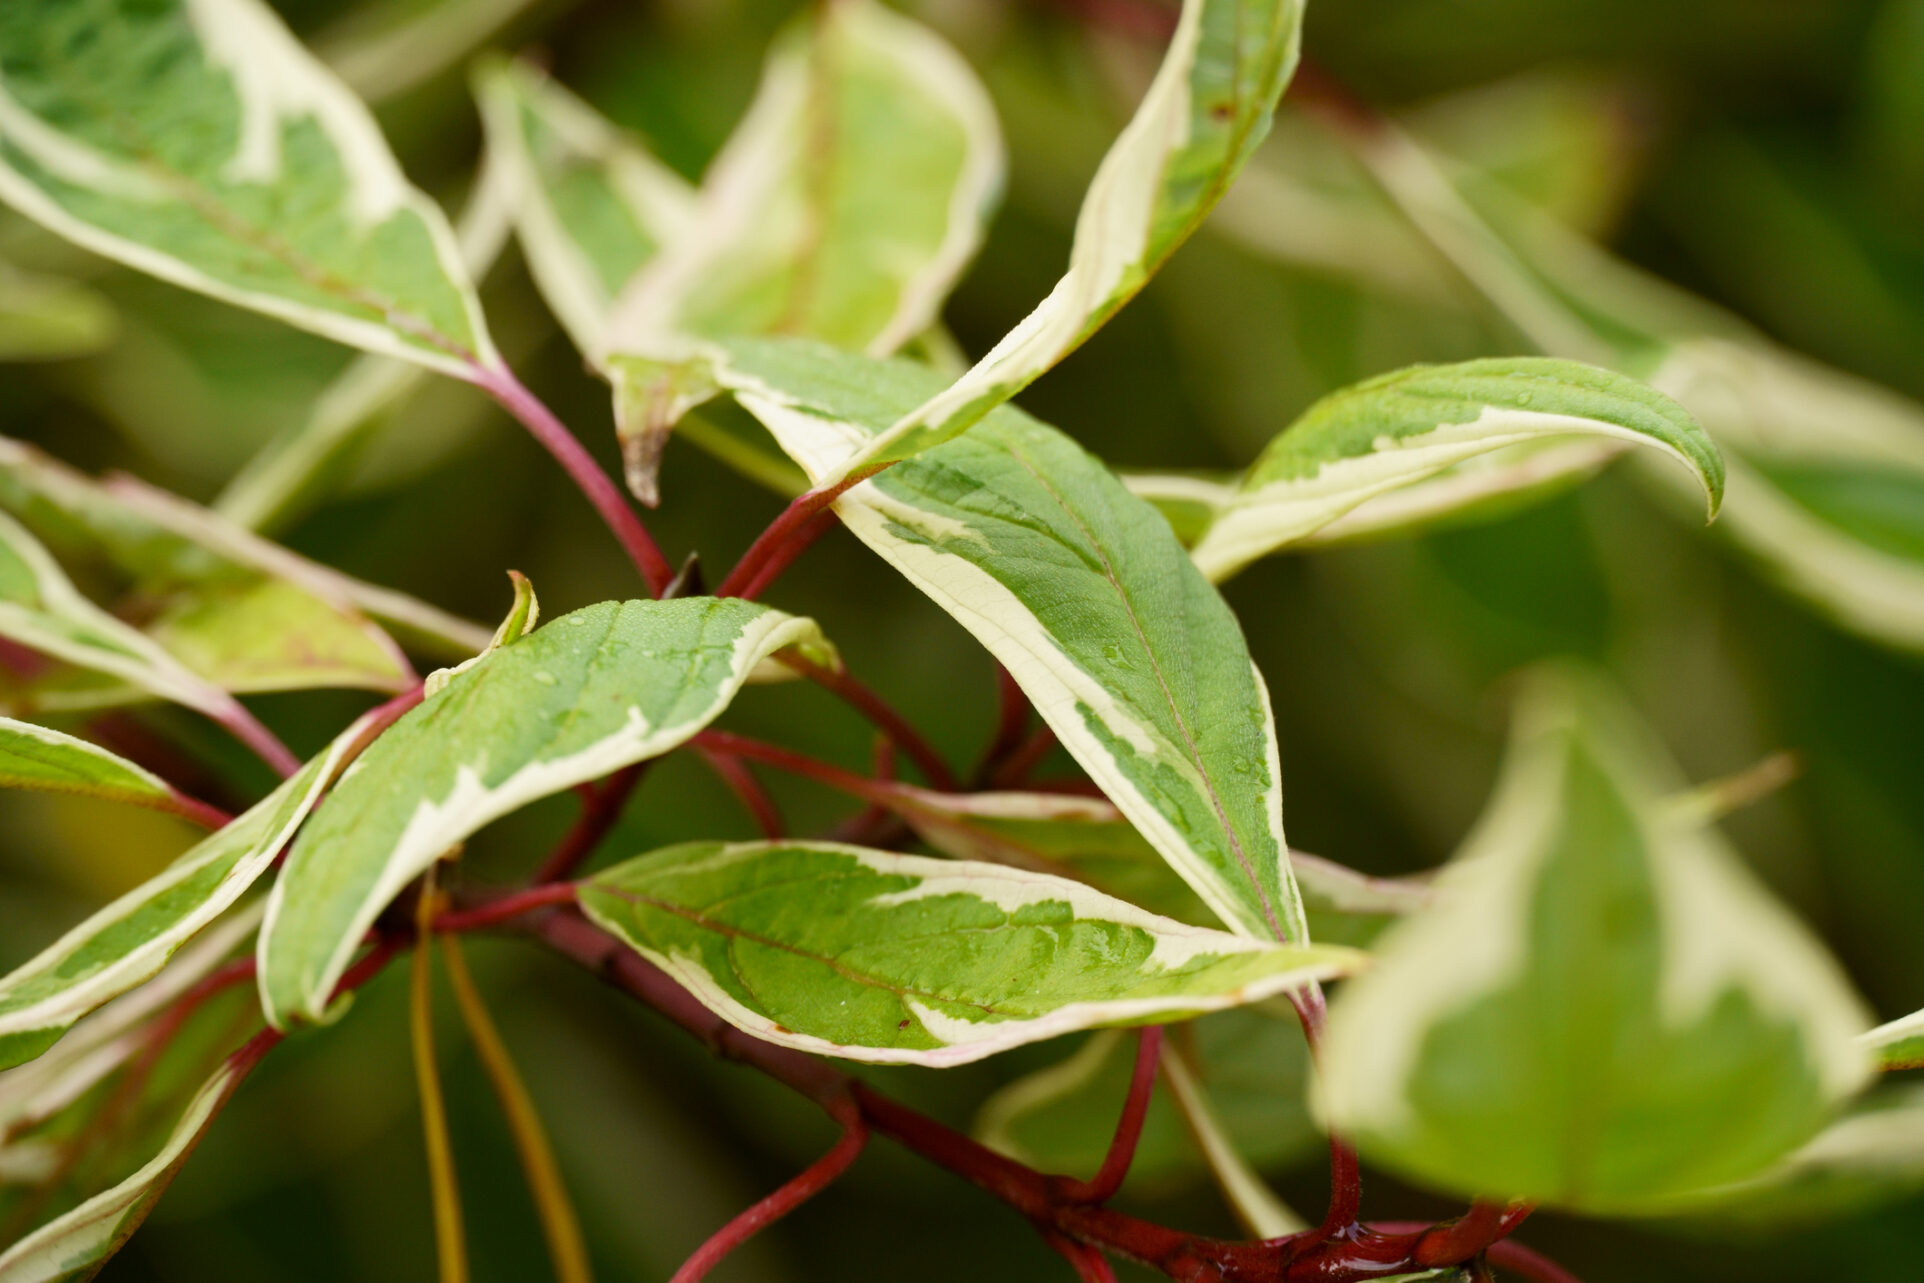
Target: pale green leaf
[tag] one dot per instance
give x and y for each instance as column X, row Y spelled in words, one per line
column 75, row 1245
column 1252, row 1063
column 197, row 141
column 1899, row 1044
column 585, row 695
column 131, row 939
column 1380, row 436
column 890, row 958
column 1604, row 1011
column 382, row 50
column 591, row 206
column 34, row 757
column 1256, row 1206
column 319, row 454
column 1081, row 591
column 47, row 318
column 42, row 610
column 208, row 584
column 101, row 1043
column 1207, row 109
column 1826, row 471
column 843, row 209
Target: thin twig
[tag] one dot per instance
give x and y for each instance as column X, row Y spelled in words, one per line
column 852, row 692
column 450, row 1242
column 813, row 1180
column 770, row 545
column 598, row 487
column 1135, row 1107
column 747, row 789
column 601, row 808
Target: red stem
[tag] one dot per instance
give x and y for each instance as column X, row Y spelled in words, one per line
column 1090, row 1264
column 1459, row 1240
column 500, row 908
column 891, row 723
column 596, row 485
column 1534, row 1266
column 1135, row 1107
column 266, row 745
column 195, row 811
column 1012, row 719
column 812, row 1181
column 742, row 782
column 601, row 807
column 1022, row 762
column 769, row 547
column 784, row 556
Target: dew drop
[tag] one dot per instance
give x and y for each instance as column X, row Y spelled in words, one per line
column 544, row 677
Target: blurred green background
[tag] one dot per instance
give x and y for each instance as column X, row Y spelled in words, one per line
column 1768, row 156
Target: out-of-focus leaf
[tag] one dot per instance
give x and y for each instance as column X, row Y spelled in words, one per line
column 383, row 50
column 585, row 695
column 1873, row 1155
column 47, row 318
column 1084, row 595
column 35, row 757
column 891, row 958
column 1825, row 471
column 1252, row 1062
column 41, row 610
column 1089, row 840
column 75, row 1245
column 1899, row 1044
column 1207, row 109
column 101, row 1043
column 297, row 469
column 591, row 206
column 1402, row 428
column 218, row 593
column 197, row 141
column 843, row 209
column 131, row 939
column 1603, row 1011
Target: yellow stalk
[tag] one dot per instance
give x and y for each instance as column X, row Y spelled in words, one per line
column 449, row 1241
column 558, row 1222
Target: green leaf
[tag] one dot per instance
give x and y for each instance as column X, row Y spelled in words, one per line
column 386, row 48
column 244, row 613
column 591, row 206
column 131, row 939
column 1873, row 1155
column 1089, row 840
column 1081, row 591
column 1604, row 1011
column 75, row 1245
column 1899, row 1044
column 323, row 452
column 101, row 1043
column 41, row 610
column 1252, row 1061
column 197, row 141
column 843, row 209
column 1207, row 109
column 241, row 614
column 1380, row 436
column 46, row 318
column 1826, row 471
column 903, row 959
column 34, row 757
column 572, row 701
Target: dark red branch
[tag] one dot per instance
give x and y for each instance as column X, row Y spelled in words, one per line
column 812, row 1181
column 784, row 556
column 1012, row 720
column 770, row 547
column 747, row 788
column 600, row 807
column 891, row 723
column 1135, row 1107
column 497, row 909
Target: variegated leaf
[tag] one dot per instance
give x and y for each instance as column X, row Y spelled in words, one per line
column 902, row 959
column 1256, row 1065
column 36, row 757
column 1375, row 438
column 197, row 141
column 585, row 695
column 384, row 49
column 591, row 206
column 74, row 1246
column 1604, row 1011
column 843, row 209
column 1899, row 1044
column 127, row 942
column 1209, row 105
column 1826, row 471
column 1081, row 591
column 41, row 610
column 101, row 1043
column 244, row 613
